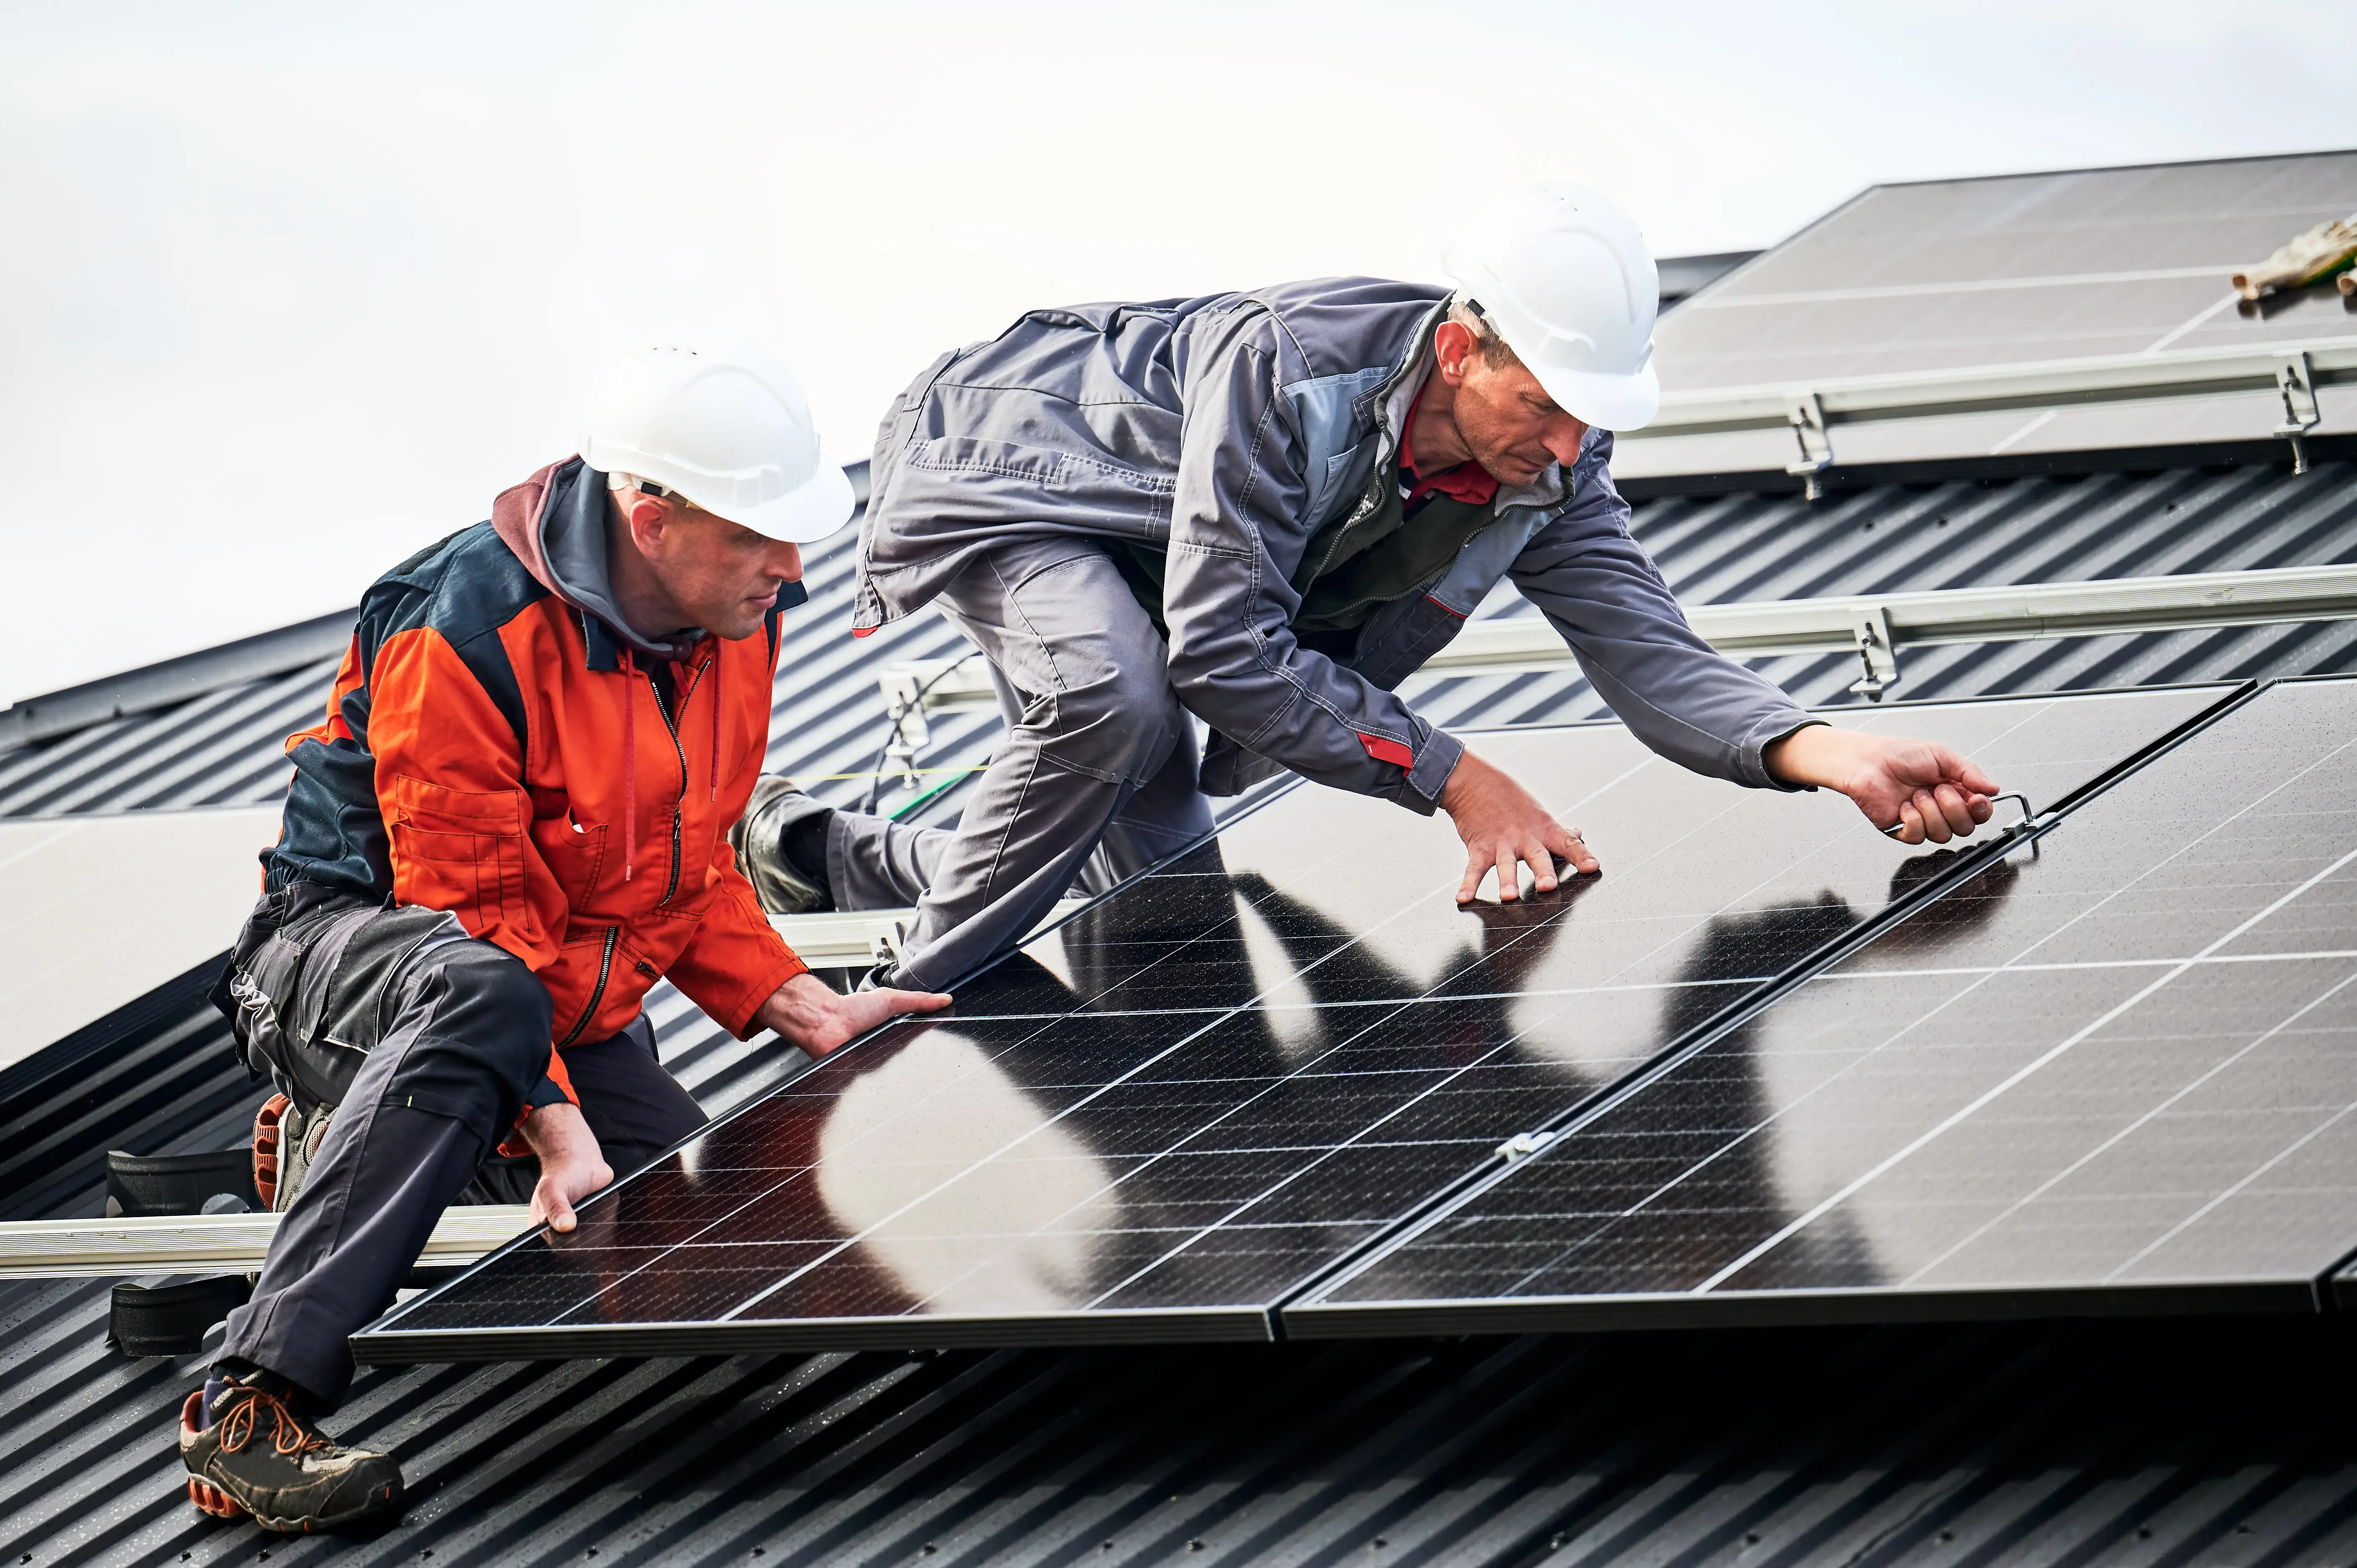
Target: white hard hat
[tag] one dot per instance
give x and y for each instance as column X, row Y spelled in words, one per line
column 720, row 420
column 1565, row 278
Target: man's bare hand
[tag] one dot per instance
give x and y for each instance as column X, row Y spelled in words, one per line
column 571, row 1167
column 810, row 1015
column 1505, row 829
column 1921, row 788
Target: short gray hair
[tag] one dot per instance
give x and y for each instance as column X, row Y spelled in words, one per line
column 1464, row 310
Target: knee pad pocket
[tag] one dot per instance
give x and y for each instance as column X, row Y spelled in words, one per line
column 481, row 1044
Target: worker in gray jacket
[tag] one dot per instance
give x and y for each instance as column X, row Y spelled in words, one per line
column 1266, row 510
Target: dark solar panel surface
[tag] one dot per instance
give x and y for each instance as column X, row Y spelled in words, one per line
column 1168, row 1114
column 2127, row 1065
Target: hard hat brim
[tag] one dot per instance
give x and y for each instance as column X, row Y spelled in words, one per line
column 1606, row 403
column 819, row 506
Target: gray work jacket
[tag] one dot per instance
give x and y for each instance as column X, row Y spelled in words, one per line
column 1228, row 430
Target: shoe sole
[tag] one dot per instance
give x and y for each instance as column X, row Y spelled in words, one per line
column 211, row 1499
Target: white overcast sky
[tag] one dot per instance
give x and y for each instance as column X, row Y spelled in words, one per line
column 289, row 290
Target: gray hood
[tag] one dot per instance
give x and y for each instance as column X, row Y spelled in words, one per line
column 556, row 523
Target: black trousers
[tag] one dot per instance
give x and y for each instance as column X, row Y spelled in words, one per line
column 459, row 1037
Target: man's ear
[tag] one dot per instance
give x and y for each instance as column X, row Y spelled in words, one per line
column 646, row 518
column 1450, row 346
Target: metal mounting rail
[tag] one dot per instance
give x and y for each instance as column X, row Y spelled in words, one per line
column 1813, row 410
column 857, row 938
column 212, row 1243
column 1874, row 626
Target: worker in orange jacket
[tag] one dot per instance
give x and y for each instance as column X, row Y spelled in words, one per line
column 511, row 824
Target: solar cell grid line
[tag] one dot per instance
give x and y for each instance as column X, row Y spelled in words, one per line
column 1178, row 1107
column 2121, row 1076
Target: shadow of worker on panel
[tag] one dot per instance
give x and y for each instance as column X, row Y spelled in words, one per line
column 1184, row 1139
column 1746, row 1187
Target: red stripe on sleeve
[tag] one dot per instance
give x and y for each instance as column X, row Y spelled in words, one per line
column 1383, row 750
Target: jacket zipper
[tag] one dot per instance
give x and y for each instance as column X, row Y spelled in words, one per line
column 678, row 751
column 1386, row 462
column 604, row 968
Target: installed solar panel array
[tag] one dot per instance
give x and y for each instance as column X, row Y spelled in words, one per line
column 2020, row 269
column 1770, row 1064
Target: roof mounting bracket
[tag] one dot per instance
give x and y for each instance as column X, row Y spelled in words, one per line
column 2297, row 381
column 1869, row 627
column 1807, row 417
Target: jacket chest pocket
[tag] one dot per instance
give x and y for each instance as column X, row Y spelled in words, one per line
column 576, row 856
column 1342, row 483
column 455, row 849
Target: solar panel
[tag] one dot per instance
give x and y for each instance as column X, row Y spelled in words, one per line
column 2120, row 1074
column 1951, row 275
column 1163, row 1118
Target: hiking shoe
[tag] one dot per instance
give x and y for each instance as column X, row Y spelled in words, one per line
column 780, row 820
column 249, row 1453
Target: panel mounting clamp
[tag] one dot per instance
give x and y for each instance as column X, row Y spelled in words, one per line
column 2296, row 380
column 1870, row 626
column 1523, row 1145
column 1807, row 417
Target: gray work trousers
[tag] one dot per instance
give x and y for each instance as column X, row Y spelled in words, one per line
column 1095, row 781
column 466, row 1031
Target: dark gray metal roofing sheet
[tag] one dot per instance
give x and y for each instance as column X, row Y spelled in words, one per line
column 2215, row 1441
column 2189, row 1443
column 2207, row 1441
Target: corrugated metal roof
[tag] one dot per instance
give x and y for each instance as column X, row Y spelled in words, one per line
column 2207, row 1441
column 2185, row 1443
column 2213, row 1442
column 2210, row 1442
column 1746, row 544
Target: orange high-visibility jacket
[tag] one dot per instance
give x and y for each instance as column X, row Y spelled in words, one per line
column 497, row 747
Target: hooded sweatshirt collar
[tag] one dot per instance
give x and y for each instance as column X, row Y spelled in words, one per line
column 556, row 523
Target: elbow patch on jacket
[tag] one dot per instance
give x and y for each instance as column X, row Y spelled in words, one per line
column 1389, row 751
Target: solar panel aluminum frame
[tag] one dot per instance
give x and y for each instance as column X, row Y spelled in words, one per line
column 801, row 1336
column 2344, row 1286
column 1240, row 1322
column 1863, row 1304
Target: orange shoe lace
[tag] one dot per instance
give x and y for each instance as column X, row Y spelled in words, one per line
column 287, row 1434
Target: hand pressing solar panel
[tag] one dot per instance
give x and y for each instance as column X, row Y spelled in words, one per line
column 2119, row 1075
column 1165, row 1116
